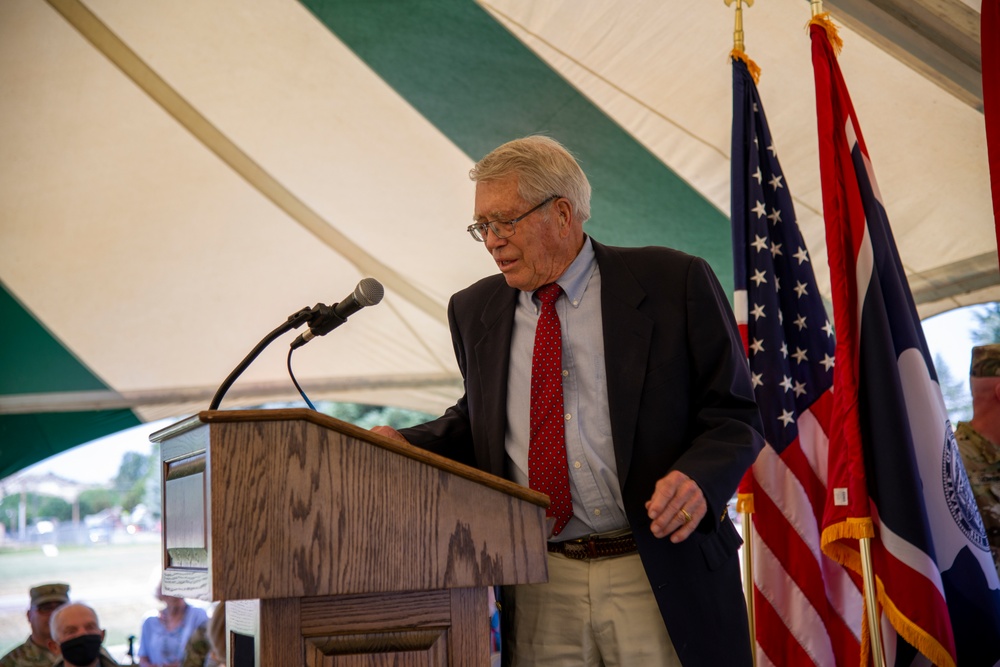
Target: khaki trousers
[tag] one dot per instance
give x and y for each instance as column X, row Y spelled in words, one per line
column 596, row 613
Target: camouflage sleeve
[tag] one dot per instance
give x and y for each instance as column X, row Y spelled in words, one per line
column 197, row 647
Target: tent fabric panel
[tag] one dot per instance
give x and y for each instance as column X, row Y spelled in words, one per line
column 196, row 272
column 28, row 439
column 505, row 91
column 32, row 359
column 662, row 73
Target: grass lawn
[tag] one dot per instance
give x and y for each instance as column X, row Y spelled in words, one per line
column 117, row 580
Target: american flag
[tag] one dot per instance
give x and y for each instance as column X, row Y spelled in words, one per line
column 894, row 470
column 807, row 607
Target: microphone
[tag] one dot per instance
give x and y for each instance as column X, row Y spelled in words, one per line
column 326, row 318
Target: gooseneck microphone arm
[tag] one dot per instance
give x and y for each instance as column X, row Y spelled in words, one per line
column 322, row 320
column 294, row 321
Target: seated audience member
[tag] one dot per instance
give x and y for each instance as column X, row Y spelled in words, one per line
column 35, row 652
column 77, row 636
column 164, row 636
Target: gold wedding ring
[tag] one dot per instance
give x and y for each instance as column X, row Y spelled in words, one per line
column 684, row 515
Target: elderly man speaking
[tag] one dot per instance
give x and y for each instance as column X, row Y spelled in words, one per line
column 613, row 380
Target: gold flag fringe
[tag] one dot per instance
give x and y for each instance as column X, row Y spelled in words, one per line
column 823, row 21
column 744, row 501
column 752, row 67
column 848, row 556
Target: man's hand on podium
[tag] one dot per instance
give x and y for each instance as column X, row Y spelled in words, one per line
column 388, row 432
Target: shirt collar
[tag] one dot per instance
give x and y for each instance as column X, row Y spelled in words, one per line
column 574, row 279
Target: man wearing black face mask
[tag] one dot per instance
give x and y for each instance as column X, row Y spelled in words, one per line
column 78, row 636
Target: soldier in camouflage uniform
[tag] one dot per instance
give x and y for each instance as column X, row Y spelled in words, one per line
column 35, row 652
column 199, row 650
column 979, row 440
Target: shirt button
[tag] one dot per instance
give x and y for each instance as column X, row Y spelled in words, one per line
column 577, row 465
column 597, row 512
column 568, row 416
column 565, row 373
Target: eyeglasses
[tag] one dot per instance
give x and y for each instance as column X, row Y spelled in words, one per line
column 503, row 229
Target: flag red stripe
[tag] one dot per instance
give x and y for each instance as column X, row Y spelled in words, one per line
column 800, row 562
column 774, row 639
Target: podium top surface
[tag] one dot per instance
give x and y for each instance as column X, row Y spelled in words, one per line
column 210, row 417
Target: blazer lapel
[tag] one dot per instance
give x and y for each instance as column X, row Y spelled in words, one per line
column 627, row 336
column 490, row 372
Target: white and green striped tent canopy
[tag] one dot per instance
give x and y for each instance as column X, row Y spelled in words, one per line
column 177, row 177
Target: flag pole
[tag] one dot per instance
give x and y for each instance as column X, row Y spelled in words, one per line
column 748, row 580
column 871, row 603
column 738, row 29
column 747, row 510
column 867, row 570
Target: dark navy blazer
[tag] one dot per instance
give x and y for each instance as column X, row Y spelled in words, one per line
column 680, row 398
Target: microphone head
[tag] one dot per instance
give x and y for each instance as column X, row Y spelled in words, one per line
column 369, row 292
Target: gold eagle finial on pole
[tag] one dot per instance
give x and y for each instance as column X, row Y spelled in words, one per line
column 738, row 29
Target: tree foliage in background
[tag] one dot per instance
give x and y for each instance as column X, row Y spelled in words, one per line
column 37, row 507
column 366, row 416
column 955, row 391
column 988, row 317
column 151, row 483
column 93, row 501
column 130, row 482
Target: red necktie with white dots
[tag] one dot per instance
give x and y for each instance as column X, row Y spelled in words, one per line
column 547, row 469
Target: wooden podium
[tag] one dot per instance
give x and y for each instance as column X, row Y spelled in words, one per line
column 333, row 546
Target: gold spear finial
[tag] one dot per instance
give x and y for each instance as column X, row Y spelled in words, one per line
column 738, row 29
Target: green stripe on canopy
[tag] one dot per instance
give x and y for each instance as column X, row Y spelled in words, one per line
column 480, row 87
column 33, row 361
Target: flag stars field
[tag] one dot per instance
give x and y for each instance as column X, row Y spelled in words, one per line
column 792, row 593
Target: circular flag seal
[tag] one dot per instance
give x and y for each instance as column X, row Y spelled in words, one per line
column 958, row 493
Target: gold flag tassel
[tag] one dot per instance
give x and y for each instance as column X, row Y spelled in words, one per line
column 738, row 52
column 822, row 19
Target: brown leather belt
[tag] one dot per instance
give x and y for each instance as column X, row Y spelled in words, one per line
column 590, row 547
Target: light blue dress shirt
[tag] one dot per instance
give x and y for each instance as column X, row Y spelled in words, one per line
column 593, row 475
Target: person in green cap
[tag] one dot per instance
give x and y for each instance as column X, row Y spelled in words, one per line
column 979, row 440
column 34, row 652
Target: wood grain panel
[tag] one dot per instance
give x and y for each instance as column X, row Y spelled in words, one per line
column 334, row 547
column 279, row 638
column 364, row 613
column 312, row 511
column 470, row 639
